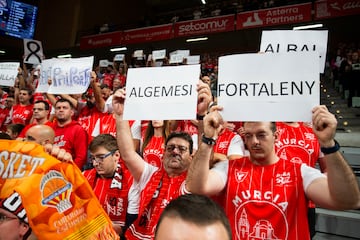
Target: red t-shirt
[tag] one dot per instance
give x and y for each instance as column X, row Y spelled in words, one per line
column 22, row 114
column 273, row 206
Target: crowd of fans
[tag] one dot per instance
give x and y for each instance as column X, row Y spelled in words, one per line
column 136, row 167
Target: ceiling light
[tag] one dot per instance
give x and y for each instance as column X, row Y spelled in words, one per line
column 2, row 52
column 118, row 49
column 203, row 1
column 196, row 39
column 308, row 26
column 64, row 56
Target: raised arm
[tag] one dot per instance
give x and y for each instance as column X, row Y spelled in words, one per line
column 124, row 138
column 100, row 102
column 340, row 189
column 200, row 179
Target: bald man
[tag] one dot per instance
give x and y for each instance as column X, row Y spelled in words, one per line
column 41, row 134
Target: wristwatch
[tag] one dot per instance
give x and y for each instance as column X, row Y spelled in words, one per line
column 208, row 141
column 329, row 150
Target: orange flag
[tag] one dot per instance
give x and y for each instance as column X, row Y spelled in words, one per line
column 58, row 200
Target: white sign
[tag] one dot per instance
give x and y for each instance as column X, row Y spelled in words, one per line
column 68, row 75
column 33, row 51
column 119, row 57
column 139, row 54
column 165, row 93
column 104, row 63
column 176, row 58
column 195, row 59
column 158, row 54
column 269, row 87
column 183, row 52
column 296, row 41
column 8, row 73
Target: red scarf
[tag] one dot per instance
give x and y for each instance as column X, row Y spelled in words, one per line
column 114, row 199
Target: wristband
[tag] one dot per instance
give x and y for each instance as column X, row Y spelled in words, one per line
column 329, row 150
column 200, row 117
column 208, row 141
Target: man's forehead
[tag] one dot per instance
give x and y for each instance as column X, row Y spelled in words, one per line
column 178, row 140
column 256, row 125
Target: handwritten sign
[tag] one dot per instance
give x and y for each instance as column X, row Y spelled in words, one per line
column 68, row 75
column 269, row 87
column 161, row 93
column 8, row 73
column 33, row 51
column 296, row 41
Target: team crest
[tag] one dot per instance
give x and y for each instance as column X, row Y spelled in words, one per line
column 55, row 191
column 240, row 176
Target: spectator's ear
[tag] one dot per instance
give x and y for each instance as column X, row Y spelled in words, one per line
column 24, row 229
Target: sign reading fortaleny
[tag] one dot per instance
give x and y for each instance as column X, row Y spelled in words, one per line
column 268, row 87
column 296, row 41
column 8, row 73
column 68, row 75
column 165, row 93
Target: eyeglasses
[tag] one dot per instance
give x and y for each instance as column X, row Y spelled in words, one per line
column 170, row 148
column 4, row 218
column 100, row 158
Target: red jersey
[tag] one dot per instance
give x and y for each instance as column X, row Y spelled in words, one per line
column 297, row 144
column 272, row 207
column 157, row 194
column 154, row 151
column 22, row 114
column 73, row 138
column 4, row 113
column 187, row 126
column 87, row 119
column 112, row 192
column 224, row 141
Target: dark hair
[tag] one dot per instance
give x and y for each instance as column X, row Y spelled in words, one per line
column 197, row 209
column 16, row 127
column 60, row 100
column 150, row 130
column 104, row 85
column 106, row 140
column 272, row 126
column 183, row 135
column 46, row 104
column 4, row 135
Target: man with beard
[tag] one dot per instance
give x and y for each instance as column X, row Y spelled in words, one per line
column 69, row 135
column 156, row 186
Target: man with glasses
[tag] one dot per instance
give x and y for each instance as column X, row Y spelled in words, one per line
column 110, row 179
column 13, row 221
column 156, row 186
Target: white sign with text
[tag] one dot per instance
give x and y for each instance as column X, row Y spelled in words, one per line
column 161, row 93
column 296, row 41
column 269, row 87
column 68, row 75
column 8, row 73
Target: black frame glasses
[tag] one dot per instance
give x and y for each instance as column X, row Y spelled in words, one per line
column 171, row 147
column 100, row 158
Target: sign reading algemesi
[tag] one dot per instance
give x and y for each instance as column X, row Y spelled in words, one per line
column 268, row 87
column 165, row 93
column 296, row 41
column 8, row 73
column 68, row 75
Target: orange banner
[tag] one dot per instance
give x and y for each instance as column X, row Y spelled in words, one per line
column 58, row 200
